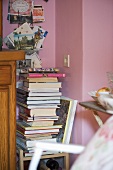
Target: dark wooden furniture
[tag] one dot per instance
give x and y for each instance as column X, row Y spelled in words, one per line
column 8, row 108
column 8, row 105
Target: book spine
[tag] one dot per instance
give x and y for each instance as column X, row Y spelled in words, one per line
column 35, row 75
column 55, row 75
column 24, row 110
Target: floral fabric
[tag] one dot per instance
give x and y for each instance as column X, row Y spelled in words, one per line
column 98, row 154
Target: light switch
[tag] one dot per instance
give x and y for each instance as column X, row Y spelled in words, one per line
column 66, row 60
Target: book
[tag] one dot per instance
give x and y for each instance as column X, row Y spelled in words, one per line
column 25, row 126
column 40, row 123
column 37, row 75
column 30, row 154
column 37, row 131
column 31, row 143
column 31, row 75
column 34, row 137
column 37, row 102
column 35, row 106
column 42, row 85
column 28, row 118
column 38, row 97
column 39, row 92
column 66, row 114
column 38, row 111
column 41, row 79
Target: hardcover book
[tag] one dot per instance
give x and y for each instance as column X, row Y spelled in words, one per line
column 38, row 111
column 25, row 126
column 31, row 143
column 39, row 92
column 37, row 102
column 41, row 79
column 42, row 85
column 35, row 118
column 35, row 106
column 37, row 97
column 39, row 75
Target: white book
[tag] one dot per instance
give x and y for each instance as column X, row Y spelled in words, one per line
column 41, row 131
column 42, row 85
column 43, row 102
column 31, row 143
column 45, row 94
column 38, row 90
column 44, row 98
column 37, row 106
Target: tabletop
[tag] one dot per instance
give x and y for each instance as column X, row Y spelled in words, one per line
column 93, row 105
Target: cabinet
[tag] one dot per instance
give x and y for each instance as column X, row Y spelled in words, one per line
column 8, row 108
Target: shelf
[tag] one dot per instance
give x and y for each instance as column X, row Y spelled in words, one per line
column 58, row 155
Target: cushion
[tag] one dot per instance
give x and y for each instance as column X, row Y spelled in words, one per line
column 98, row 154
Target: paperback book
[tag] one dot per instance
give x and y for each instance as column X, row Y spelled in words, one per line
column 45, row 90
column 37, row 102
column 42, row 85
column 23, row 91
column 35, row 106
column 25, row 126
column 37, row 111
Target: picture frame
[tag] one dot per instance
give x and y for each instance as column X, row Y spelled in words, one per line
column 66, row 113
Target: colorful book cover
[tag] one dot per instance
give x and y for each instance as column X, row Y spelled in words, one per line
column 23, row 7
column 38, row 14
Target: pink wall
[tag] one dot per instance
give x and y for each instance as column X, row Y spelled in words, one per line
column 48, row 53
column 97, row 53
column 69, row 41
column 86, row 33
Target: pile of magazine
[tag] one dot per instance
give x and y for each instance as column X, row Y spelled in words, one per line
column 26, row 37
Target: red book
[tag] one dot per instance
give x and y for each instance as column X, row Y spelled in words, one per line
column 39, row 75
column 56, row 75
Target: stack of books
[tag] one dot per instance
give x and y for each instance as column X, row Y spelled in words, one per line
column 37, row 99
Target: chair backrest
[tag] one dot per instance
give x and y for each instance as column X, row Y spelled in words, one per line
column 41, row 146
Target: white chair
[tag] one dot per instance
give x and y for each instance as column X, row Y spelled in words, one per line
column 41, row 146
column 97, row 155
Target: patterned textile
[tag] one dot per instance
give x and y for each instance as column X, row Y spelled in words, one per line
column 98, row 154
